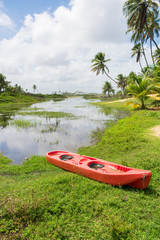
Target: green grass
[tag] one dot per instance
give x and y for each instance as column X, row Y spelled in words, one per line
column 23, row 123
column 47, row 114
column 41, row 201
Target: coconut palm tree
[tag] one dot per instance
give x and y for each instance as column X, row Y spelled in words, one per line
column 137, row 13
column 107, row 88
column 137, row 50
column 154, row 28
column 34, row 88
column 3, row 83
column 99, row 65
column 156, row 56
column 122, row 83
column 141, row 88
column 138, row 38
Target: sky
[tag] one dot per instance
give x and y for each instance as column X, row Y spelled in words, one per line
column 50, row 43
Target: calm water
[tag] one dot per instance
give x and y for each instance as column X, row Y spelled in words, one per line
column 66, row 134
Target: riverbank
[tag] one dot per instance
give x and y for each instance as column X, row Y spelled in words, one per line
column 41, row 201
column 27, row 98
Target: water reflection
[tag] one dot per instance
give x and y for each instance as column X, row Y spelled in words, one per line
column 53, row 133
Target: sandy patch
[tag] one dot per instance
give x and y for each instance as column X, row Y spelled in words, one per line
column 156, row 131
column 121, row 100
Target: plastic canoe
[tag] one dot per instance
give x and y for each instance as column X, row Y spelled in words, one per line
column 100, row 170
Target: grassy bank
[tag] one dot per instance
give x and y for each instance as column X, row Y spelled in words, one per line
column 41, row 201
column 28, row 98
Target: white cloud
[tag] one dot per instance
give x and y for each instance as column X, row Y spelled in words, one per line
column 5, row 20
column 54, row 51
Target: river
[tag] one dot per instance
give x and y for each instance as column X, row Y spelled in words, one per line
column 47, row 134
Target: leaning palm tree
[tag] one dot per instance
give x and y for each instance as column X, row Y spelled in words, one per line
column 137, row 13
column 99, row 65
column 122, row 83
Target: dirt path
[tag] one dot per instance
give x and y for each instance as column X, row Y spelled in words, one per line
column 156, row 131
column 121, row 100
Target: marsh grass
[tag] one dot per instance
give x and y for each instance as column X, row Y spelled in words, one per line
column 47, row 114
column 23, row 123
column 41, row 201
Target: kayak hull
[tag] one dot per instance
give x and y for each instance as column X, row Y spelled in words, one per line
column 100, row 170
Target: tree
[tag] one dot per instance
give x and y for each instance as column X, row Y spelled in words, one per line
column 3, row 83
column 137, row 50
column 107, row 88
column 138, row 13
column 154, row 28
column 34, row 88
column 140, row 89
column 156, row 56
column 122, row 82
column 99, row 65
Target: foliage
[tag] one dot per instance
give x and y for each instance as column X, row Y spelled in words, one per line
column 107, row 88
column 41, row 201
column 122, row 82
column 138, row 14
column 3, row 83
column 141, row 87
column 99, row 65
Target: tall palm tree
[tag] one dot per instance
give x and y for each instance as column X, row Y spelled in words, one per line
column 154, row 28
column 138, row 38
column 122, row 82
column 156, row 56
column 99, row 65
column 137, row 13
column 34, row 88
column 137, row 50
column 107, row 88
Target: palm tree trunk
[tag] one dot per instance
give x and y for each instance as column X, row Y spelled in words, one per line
column 144, row 55
column 140, row 65
column 151, row 37
column 110, row 77
column 142, row 104
column 152, row 52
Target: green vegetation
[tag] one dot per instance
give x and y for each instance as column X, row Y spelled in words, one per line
column 41, row 201
column 23, row 123
column 47, row 114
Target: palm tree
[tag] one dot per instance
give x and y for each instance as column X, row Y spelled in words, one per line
column 154, row 28
column 137, row 50
column 141, row 88
column 122, row 83
column 34, row 88
column 157, row 56
column 107, row 88
column 137, row 13
column 138, row 39
column 99, row 65
column 3, row 83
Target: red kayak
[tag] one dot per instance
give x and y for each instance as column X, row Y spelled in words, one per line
column 100, row 170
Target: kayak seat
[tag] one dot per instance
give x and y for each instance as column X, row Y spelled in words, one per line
column 96, row 165
column 66, row 157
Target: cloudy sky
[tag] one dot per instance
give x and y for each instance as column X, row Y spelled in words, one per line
column 50, row 43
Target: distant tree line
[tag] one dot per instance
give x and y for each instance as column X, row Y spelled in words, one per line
column 6, row 87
